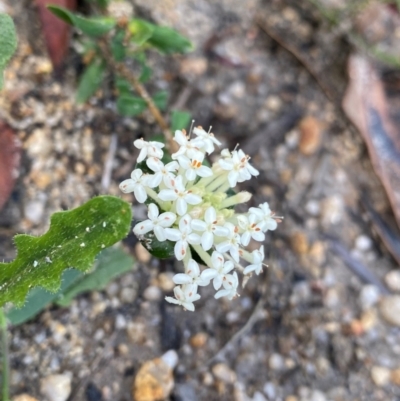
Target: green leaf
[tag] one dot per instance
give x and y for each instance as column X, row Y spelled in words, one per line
column 141, row 31
column 90, row 81
column 123, row 86
column 94, row 26
column 38, row 299
column 145, row 74
column 161, row 250
column 75, row 237
column 112, row 263
column 8, row 42
column 167, row 41
column 101, row 3
column 180, row 120
column 130, row 106
column 160, row 99
column 117, row 45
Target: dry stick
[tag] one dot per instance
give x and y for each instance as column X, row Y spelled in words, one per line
column 293, row 51
column 122, row 70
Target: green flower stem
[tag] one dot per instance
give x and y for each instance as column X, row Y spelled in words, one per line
column 4, row 352
column 217, row 183
column 224, row 187
column 203, row 254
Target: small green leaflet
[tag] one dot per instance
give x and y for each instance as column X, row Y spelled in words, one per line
column 8, row 42
column 74, row 238
column 180, row 120
column 90, row 81
column 94, row 26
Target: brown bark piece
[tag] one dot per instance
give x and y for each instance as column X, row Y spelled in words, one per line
column 56, row 32
column 9, row 161
column 366, row 106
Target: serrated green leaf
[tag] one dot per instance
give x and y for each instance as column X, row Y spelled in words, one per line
column 90, row 81
column 112, row 263
column 75, row 237
column 167, row 41
column 94, row 26
column 141, row 31
column 180, row 120
column 117, row 45
column 8, row 42
column 38, row 299
column 130, row 106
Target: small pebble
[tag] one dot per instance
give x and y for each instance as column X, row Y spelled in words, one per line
column 224, row 373
column 317, row 395
column 152, row 293
column 369, row 296
column 276, row 362
column 390, row 309
column 380, row 375
column 199, row 340
column 313, row 208
column 128, row 295
column 395, row 376
column 299, row 242
column 142, row 254
column 24, row 397
column 310, row 135
column 270, row 390
column 392, row 279
column 56, row 387
column 120, row 322
column 363, row 243
column 258, row 397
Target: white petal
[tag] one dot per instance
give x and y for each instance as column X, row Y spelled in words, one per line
column 225, row 164
column 154, row 164
column 160, row 233
column 252, row 170
column 182, row 279
column 210, row 215
column 204, row 171
column 139, row 143
column 154, row 180
column 246, row 238
column 190, row 174
column 270, row 224
column 180, row 249
column 220, row 231
column 222, row 293
column 184, row 224
column 172, row 300
column 217, row 259
column 232, row 178
column 207, row 240
column 142, row 154
column 256, row 235
column 198, row 225
column 140, row 193
column 228, row 266
column 223, row 246
column 143, row 227
column 217, row 282
column 172, row 167
column 166, row 219
column 173, row 234
column 192, row 199
column 181, row 206
column 234, row 253
column 153, row 211
column 184, row 161
column 127, row 186
column 167, row 195
column 188, row 306
column 248, row 269
column 194, row 239
column 193, row 269
column 208, row 274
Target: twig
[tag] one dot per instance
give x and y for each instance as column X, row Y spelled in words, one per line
column 298, row 56
column 5, row 364
column 108, row 165
column 122, row 70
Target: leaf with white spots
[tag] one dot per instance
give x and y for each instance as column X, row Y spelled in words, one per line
column 68, row 244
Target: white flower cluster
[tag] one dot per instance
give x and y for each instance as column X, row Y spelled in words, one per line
column 188, row 205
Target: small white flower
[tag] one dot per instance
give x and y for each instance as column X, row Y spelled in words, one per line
column 194, row 168
column 136, row 184
column 183, row 237
column 208, row 139
column 257, row 262
column 230, row 287
column 209, row 227
column 192, row 275
column 250, row 229
column 231, row 244
column 189, row 147
column 156, row 222
column 151, row 148
column 265, row 217
column 185, row 296
column 162, row 172
column 178, row 193
column 218, row 272
column 238, row 166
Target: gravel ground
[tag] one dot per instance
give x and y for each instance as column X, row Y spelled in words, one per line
column 311, row 328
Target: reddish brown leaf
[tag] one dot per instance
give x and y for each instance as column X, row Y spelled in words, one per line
column 10, row 151
column 56, row 32
column 366, row 105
